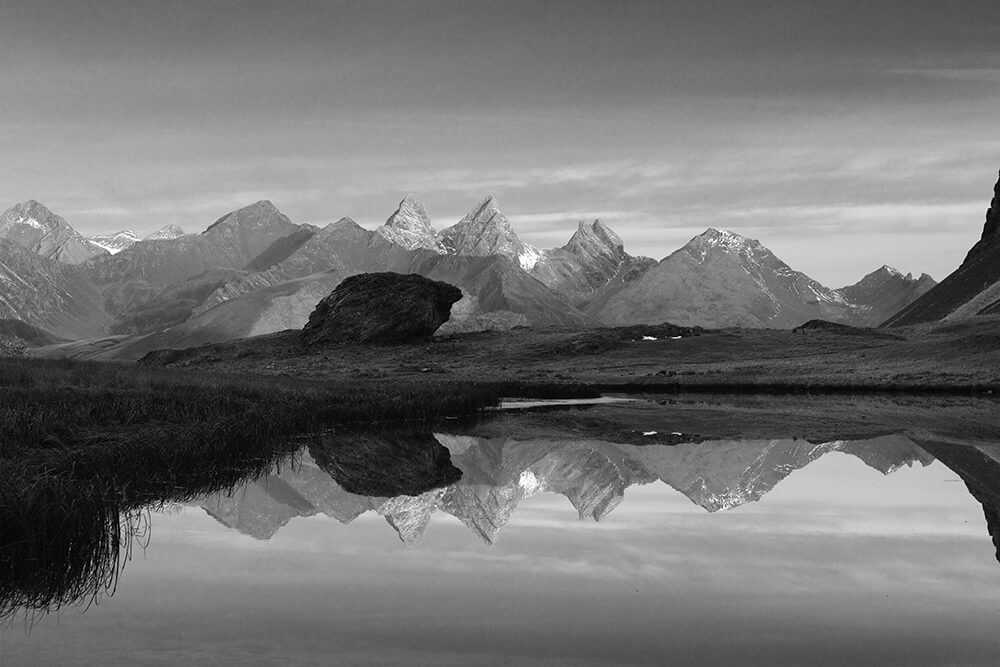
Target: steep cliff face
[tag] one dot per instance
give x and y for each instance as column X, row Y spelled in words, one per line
column 971, row 289
column 42, row 232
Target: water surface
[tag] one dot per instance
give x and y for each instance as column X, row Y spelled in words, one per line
column 739, row 531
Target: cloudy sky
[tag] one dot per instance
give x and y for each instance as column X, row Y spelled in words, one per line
column 842, row 135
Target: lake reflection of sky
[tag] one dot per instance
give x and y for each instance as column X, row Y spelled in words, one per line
column 837, row 564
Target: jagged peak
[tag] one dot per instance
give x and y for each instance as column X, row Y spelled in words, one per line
column 410, row 210
column 588, row 235
column 486, row 214
column 892, row 271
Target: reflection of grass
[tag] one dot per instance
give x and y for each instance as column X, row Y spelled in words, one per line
column 68, row 518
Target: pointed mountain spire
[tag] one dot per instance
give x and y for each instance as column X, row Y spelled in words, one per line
column 410, row 226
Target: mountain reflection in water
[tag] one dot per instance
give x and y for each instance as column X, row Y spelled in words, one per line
column 479, row 476
column 498, row 473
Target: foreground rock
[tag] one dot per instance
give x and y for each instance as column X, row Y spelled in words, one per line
column 381, row 308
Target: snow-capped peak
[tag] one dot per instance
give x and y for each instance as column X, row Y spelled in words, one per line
column 725, row 239
column 115, row 243
column 891, row 271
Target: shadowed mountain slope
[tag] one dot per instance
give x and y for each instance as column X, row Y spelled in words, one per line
column 971, row 289
column 54, row 296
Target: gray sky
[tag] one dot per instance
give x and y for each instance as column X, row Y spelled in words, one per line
column 842, row 135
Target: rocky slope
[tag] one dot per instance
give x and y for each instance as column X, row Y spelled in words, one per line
column 721, row 279
column 54, row 296
column 39, row 230
column 137, row 274
column 971, row 289
column 485, row 231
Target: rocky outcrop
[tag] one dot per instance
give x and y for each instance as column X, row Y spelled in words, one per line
column 971, row 289
column 486, row 231
column 381, row 308
column 39, row 230
column 410, row 227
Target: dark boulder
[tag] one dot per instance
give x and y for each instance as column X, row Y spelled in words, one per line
column 381, row 308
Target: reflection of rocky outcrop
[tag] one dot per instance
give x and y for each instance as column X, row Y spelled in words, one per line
column 407, row 478
column 385, row 465
column 980, row 470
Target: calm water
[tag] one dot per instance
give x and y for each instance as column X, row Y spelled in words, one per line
column 640, row 533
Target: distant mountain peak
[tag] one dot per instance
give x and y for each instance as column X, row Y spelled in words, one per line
column 116, row 242
column 33, row 226
column 410, row 226
column 166, row 232
column 595, row 237
column 486, row 231
column 892, row 271
column 259, row 212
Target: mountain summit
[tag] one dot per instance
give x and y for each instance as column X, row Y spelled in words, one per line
column 115, row 243
column 486, row 231
column 410, row 226
column 592, row 265
column 37, row 229
column 723, row 279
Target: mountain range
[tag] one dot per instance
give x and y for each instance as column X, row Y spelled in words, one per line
column 254, row 271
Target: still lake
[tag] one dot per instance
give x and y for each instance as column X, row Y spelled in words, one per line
column 692, row 531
